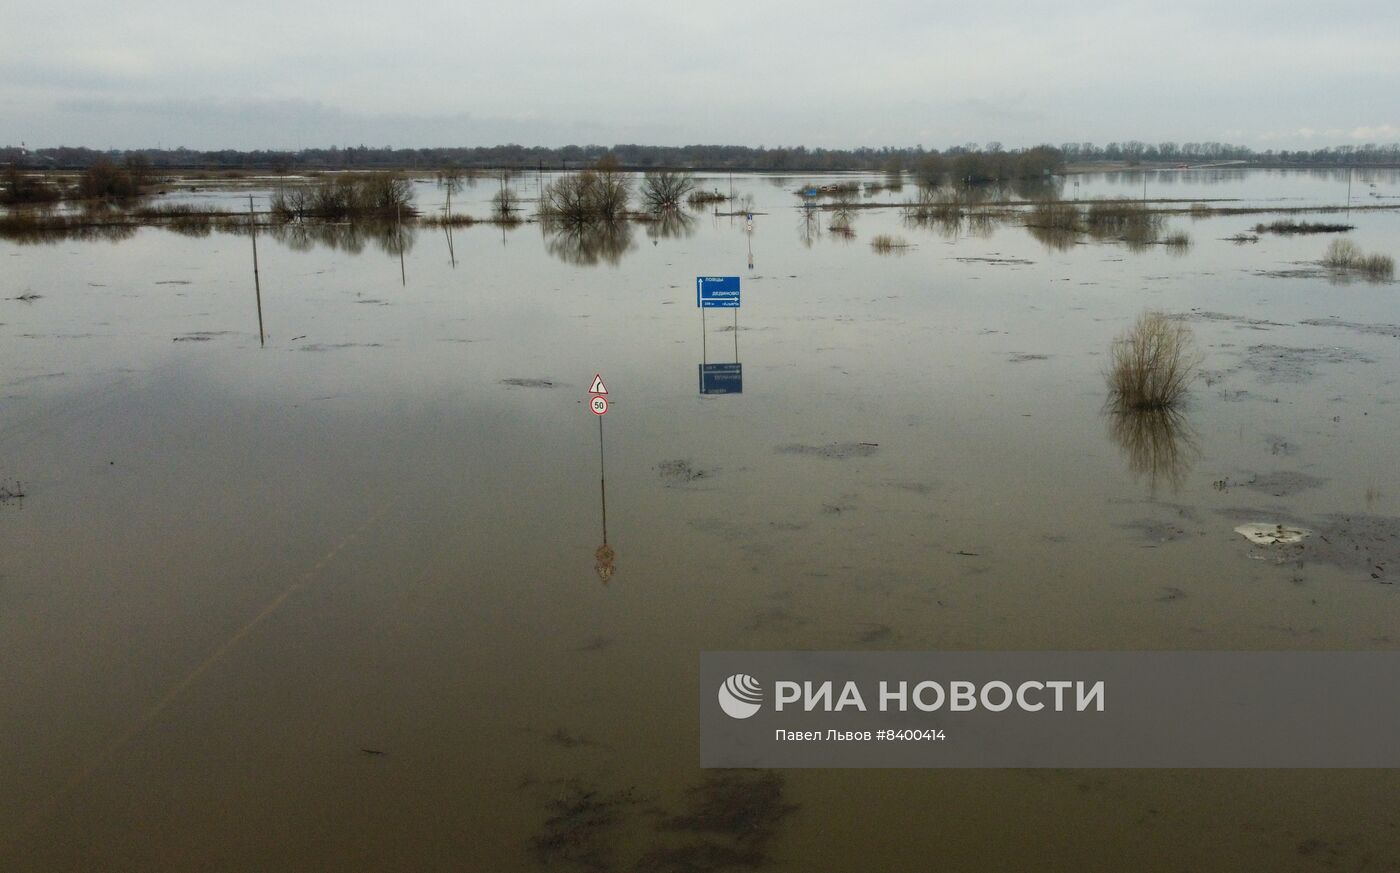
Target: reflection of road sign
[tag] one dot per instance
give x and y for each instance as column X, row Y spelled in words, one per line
column 599, row 405
column 717, row 292
column 721, row 378
column 598, row 386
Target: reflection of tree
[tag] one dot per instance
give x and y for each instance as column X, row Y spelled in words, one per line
column 811, row 228
column 588, row 243
column 393, row 237
column 303, row 236
column 671, row 224
column 1159, row 443
column 1055, row 239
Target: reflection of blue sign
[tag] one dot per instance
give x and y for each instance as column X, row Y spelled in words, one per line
column 721, row 378
column 717, row 292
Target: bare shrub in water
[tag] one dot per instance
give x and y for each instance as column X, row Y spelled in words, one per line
column 1342, row 254
column 1151, row 365
column 597, row 194
column 1378, row 267
column 665, row 189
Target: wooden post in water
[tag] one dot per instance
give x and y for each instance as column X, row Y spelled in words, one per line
column 447, row 227
column 257, row 282
column 398, row 233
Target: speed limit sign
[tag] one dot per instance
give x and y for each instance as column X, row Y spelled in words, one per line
column 599, row 405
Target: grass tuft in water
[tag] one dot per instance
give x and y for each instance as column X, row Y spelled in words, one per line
column 1152, row 363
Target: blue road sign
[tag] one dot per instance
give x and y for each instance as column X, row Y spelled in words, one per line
column 721, row 378
column 717, row 292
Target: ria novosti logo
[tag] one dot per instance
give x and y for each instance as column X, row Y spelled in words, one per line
column 740, row 696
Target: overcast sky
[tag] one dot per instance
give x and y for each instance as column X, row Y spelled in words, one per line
column 259, row 74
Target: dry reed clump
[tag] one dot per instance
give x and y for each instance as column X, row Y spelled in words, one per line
column 704, row 198
column 1129, row 218
column 885, row 243
column 1152, row 363
column 1178, row 242
column 1343, row 254
column 1054, row 215
column 1378, row 267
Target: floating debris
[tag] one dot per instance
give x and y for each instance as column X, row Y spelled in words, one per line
column 1264, row 534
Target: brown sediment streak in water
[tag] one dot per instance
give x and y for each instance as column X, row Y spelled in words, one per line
column 150, row 715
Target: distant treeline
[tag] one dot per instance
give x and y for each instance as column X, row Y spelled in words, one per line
column 990, row 158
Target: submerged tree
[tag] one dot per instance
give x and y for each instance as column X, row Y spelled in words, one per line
column 666, row 189
column 600, row 193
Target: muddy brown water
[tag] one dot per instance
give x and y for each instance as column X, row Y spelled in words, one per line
column 333, row 604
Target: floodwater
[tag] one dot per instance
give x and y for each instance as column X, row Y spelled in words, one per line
column 336, row 603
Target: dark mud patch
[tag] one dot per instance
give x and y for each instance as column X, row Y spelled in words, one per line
column 527, row 383
column 994, row 260
column 580, row 830
column 1158, row 531
column 1238, row 320
column 1294, row 273
column 776, row 618
column 1283, row 483
column 874, row 633
column 28, row 298
column 682, row 472
column 1292, row 364
column 330, row 347
column 922, row 489
column 200, row 336
column 1390, row 330
column 567, row 740
column 831, row 451
column 731, row 821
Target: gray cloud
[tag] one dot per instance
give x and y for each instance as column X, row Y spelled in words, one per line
column 264, row 74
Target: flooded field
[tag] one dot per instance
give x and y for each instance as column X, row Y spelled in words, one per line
column 340, row 602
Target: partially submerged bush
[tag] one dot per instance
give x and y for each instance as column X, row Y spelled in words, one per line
column 1121, row 216
column 1054, row 215
column 665, row 189
column 344, row 196
column 106, row 180
column 597, row 194
column 1342, row 254
column 20, row 188
column 1178, row 241
column 1378, row 267
column 934, row 204
column 885, row 243
column 504, row 204
column 1151, row 364
column 704, row 198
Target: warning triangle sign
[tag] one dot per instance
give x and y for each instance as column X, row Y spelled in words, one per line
column 598, row 386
